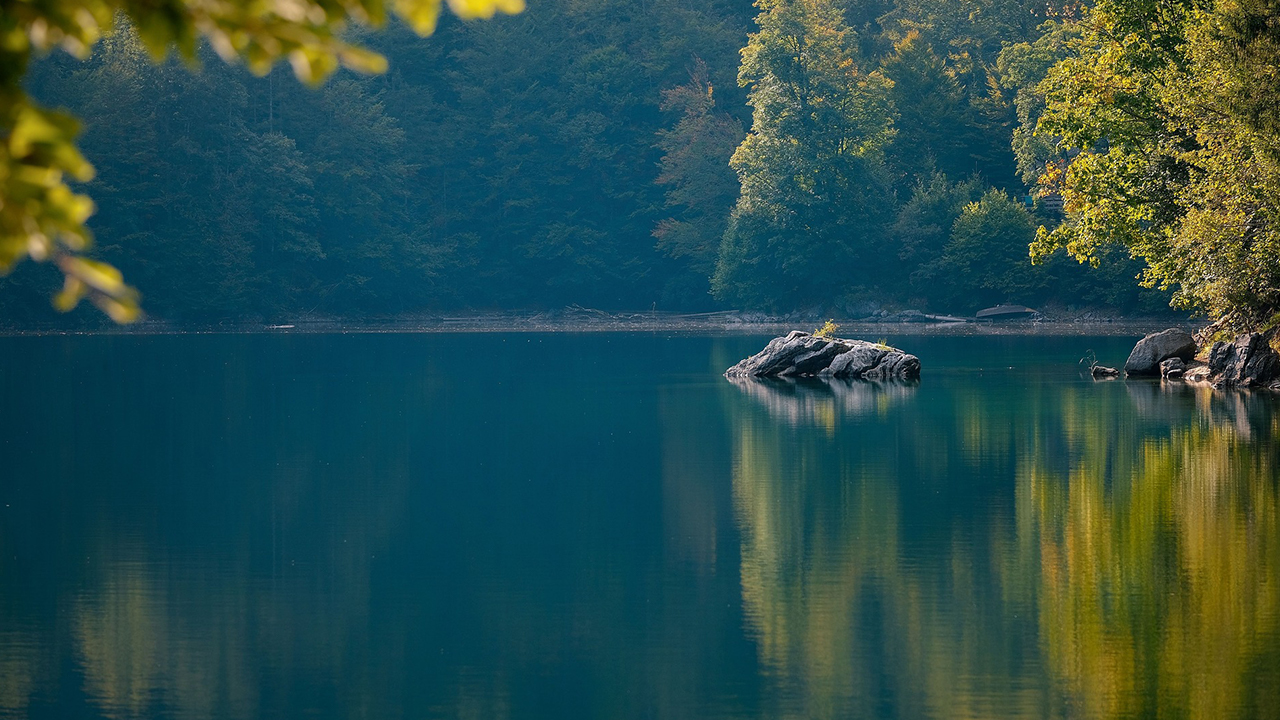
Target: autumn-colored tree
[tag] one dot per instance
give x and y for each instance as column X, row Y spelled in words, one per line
column 1168, row 115
column 701, row 187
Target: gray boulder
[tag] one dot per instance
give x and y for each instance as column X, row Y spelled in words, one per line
column 855, row 361
column 800, row 354
column 814, row 361
column 778, row 355
column 1248, row 362
column 1174, row 367
column 1158, row 347
column 1102, row 371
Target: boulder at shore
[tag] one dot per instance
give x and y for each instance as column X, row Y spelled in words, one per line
column 1158, row 347
column 800, row 354
column 1247, row 362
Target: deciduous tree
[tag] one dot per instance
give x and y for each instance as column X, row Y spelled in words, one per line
column 1171, row 110
column 808, row 224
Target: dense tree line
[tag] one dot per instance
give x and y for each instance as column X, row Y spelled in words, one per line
column 888, row 157
column 620, row 154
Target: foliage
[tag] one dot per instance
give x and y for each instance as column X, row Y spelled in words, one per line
column 701, row 185
column 1167, row 113
column 40, row 216
column 828, row 330
column 814, row 184
column 985, row 261
column 934, row 117
column 575, row 153
column 922, row 228
column 1022, row 67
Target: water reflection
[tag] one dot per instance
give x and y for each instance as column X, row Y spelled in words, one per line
column 1134, row 575
column 319, row 529
column 818, row 401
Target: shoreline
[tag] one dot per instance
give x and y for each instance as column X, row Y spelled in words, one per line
column 702, row 324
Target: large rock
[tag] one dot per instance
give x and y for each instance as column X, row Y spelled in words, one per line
column 800, row 354
column 1248, row 362
column 1158, row 347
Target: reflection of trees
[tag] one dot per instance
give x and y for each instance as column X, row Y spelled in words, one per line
column 1159, row 591
column 20, row 672
column 846, row 624
column 134, row 647
column 201, row 597
column 1134, row 574
column 949, row 550
column 288, row 542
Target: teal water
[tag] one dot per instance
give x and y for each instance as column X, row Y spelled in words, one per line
column 601, row 526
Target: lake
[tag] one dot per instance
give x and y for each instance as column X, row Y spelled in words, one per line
column 601, row 526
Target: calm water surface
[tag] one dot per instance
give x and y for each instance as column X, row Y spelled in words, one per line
column 601, row 526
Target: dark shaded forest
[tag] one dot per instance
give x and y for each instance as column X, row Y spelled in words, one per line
column 617, row 154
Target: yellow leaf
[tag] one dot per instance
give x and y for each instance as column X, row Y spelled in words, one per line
column 421, row 15
column 72, row 291
column 364, row 61
column 98, row 275
column 123, row 311
column 468, row 9
column 29, row 128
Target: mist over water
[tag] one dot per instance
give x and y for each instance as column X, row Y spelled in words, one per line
column 600, row 525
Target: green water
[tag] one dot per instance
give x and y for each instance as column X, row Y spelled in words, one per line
column 601, row 526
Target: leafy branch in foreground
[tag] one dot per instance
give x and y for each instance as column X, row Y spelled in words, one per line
column 41, row 217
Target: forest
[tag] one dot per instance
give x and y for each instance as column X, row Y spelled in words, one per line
column 638, row 154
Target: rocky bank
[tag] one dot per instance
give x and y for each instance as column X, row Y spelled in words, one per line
column 1247, row 362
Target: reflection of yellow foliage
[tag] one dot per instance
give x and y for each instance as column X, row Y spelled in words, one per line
column 1144, row 561
column 138, row 653
column 1155, row 594
column 833, row 608
column 119, row 638
column 18, row 671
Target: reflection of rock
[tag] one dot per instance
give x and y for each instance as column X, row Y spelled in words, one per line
column 800, row 354
column 1247, row 362
column 1163, row 403
column 1174, row 403
column 1158, row 347
column 811, row 401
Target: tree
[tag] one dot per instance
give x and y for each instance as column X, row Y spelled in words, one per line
column 815, row 193
column 985, row 262
column 1168, row 114
column 1022, row 68
column 701, row 186
column 920, row 232
column 935, row 130
column 41, row 217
